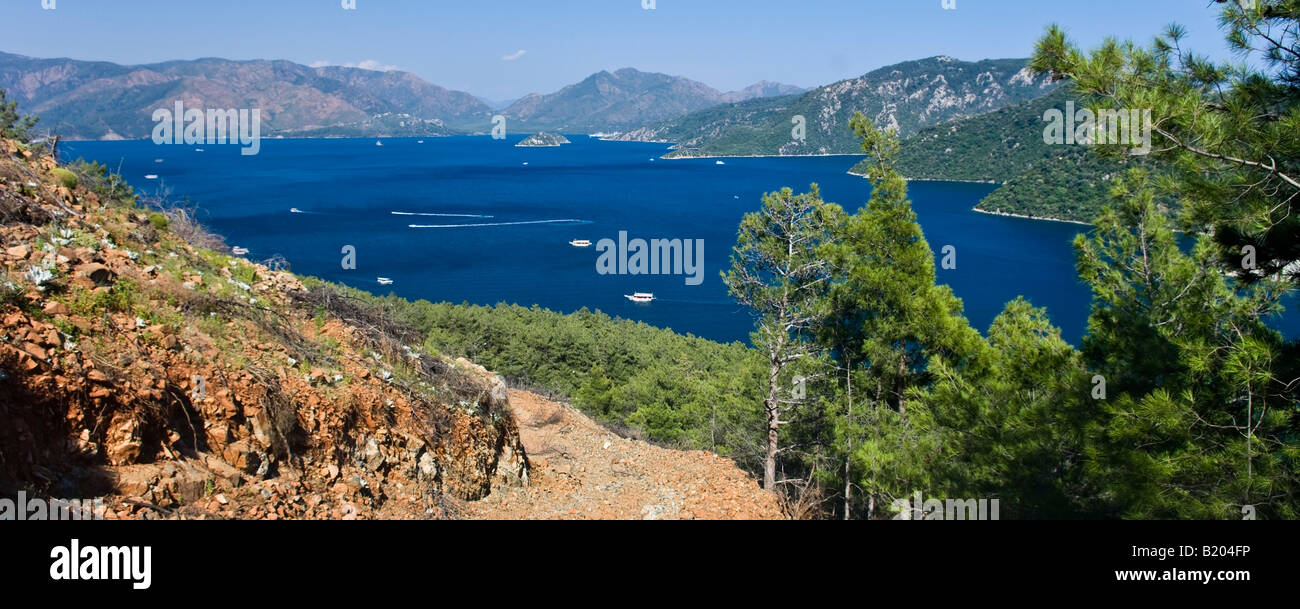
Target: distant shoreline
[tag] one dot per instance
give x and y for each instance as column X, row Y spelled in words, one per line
column 994, row 182
column 985, row 211
column 1026, row 217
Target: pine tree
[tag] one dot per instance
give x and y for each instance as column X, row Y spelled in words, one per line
column 1014, row 419
column 889, row 321
column 777, row 273
column 1228, row 131
column 1198, row 418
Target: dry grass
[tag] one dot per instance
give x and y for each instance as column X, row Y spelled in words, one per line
column 182, row 220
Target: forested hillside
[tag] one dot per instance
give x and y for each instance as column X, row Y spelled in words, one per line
column 907, row 96
column 1006, row 146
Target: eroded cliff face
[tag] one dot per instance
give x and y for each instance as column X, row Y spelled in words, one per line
column 177, row 381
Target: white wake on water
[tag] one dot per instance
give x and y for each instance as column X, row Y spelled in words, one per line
column 561, row 221
column 420, row 213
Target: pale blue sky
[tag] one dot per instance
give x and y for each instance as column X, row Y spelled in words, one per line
column 461, row 44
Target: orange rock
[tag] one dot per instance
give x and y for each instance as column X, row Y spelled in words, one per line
column 35, row 350
column 55, row 307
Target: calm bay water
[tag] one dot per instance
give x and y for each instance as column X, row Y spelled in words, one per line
column 516, row 209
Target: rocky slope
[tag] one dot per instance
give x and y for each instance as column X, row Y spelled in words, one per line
column 582, row 471
column 140, row 365
column 178, row 380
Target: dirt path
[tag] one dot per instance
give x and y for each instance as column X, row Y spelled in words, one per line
column 583, row 471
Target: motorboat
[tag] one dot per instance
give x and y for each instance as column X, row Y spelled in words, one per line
column 385, row 281
column 640, row 297
column 580, row 243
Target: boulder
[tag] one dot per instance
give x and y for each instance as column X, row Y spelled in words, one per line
column 97, row 273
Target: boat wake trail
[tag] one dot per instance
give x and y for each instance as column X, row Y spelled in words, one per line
column 416, row 213
column 567, row 221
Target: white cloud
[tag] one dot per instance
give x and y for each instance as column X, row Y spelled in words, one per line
column 513, row 56
column 368, row 64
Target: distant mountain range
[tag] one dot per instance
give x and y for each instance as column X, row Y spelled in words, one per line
column 905, row 96
column 102, row 100
column 622, row 100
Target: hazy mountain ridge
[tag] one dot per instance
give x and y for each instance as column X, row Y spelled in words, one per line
column 101, row 100
column 622, row 100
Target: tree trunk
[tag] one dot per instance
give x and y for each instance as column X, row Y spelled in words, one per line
column 773, row 407
column 848, row 442
column 900, row 385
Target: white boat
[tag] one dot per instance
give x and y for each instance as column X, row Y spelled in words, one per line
column 198, row 150
column 640, row 297
column 152, row 176
column 378, row 143
column 294, row 210
column 525, row 162
column 385, row 281
column 157, row 160
column 419, row 141
column 719, row 163
column 580, row 243
column 239, row 251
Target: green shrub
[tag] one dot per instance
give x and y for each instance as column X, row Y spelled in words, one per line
column 64, row 178
column 118, row 299
column 159, row 221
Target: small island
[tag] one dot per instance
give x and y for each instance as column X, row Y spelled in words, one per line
column 543, row 139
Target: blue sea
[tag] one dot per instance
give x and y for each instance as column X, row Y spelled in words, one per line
column 494, row 222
